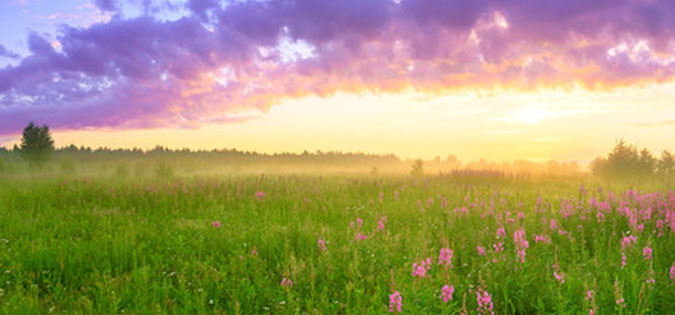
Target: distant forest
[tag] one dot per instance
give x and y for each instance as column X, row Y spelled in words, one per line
column 625, row 162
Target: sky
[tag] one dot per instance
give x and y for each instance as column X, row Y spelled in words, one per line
column 495, row 79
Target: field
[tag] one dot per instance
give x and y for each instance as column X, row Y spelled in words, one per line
column 340, row 244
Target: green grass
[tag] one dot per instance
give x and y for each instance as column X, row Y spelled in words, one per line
column 146, row 246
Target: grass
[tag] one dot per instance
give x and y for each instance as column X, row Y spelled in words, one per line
column 149, row 246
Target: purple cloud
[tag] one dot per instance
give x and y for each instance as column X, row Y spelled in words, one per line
column 106, row 5
column 224, row 58
column 4, row 52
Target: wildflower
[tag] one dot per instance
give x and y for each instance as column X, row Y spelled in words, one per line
column 485, row 305
column 589, row 295
column 600, row 217
column 395, row 302
column 627, row 240
column 322, row 245
column 621, row 302
column 559, row 276
column 499, row 247
column 215, row 224
column 553, row 225
column 501, row 233
column 359, row 222
column 542, row 238
column 360, row 236
column 286, row 282
column 640, row 227
column 446, row 293
column 260, row 195
column 651, row 280
column 481, row 250
column 380, row 224
column 647, row 252
column 445, row 257
column 623, row 260
column 420, row 270
column 672, row 272
column 521, row 244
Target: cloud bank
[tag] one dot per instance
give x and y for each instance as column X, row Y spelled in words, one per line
column 224, row 58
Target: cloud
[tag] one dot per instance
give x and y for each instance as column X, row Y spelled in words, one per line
column 107, row 5
column 657, row 123
column 226, row 58
column 4, row 52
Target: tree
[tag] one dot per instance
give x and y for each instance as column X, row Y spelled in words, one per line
column 626, row 162
column 417, row 168
column 666, row 165
column 37, row 144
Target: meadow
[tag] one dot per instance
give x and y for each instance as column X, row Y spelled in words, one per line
column 467, row 243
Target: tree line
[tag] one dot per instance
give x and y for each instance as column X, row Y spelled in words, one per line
column 625, row 162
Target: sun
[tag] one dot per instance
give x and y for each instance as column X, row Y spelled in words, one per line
column 529, row 115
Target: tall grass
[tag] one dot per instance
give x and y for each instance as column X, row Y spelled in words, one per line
column 144, row 245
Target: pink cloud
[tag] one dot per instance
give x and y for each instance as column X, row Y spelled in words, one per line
column 221, row 60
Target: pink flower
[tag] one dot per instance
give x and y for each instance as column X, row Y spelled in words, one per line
column 521, row 256
column 360, row 236
column 542, row 238
column 647, row 252
column 521, row 244
column 322, row 245
column 446, row 293
column 286, row 282
column 395, row 302
column 359, row 222
column 216, row 224
column 499, row 247
column 623, row 260
column 260, row 195
column 420, row 270
column 672, row 272
column 380, row 224
column 589, row 295
column 501, row 233
column 553, row 225
column 559, row 276
column 485, row 305
column 445, row 257
column 621, row 302
column 628, row 240
column 481, row 250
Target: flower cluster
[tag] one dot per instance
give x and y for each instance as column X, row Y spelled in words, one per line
column 420, row 269
column 445, row 257
column 286, row 282
column 395, row 302
column 485, row 305
column 446, row 293
column 521, row 243
column 559, row 275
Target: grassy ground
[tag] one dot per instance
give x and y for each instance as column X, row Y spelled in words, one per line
column 148, row 246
